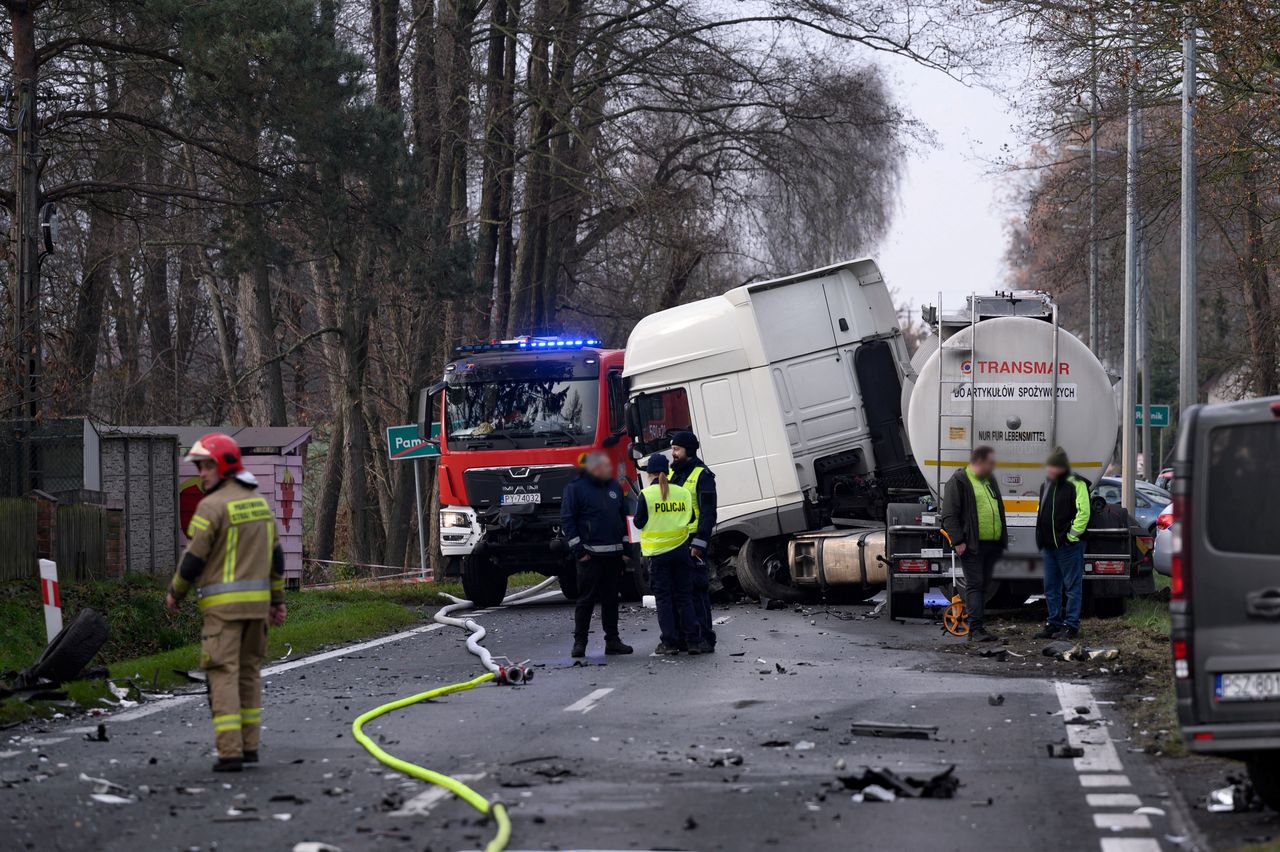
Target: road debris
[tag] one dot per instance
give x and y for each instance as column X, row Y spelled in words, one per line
column 725, row 760
column 112, row 799
column 805, row 745
column 99, row 736
column 724, row 619
column 1238, row 797
column 1064, row 750
column 772, row 603
column 997, row 654
column 939, row 785
column 995, row 699
column 894, row 730
column 874, row 793
column 1077, row 653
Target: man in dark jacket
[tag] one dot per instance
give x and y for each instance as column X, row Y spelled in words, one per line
column 973, row 518
column 593, row 517
column 691, row 472
column 1060, row 525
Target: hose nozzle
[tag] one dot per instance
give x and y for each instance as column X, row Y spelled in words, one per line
column 514, row 675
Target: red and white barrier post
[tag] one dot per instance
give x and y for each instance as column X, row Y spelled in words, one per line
column 52, row 598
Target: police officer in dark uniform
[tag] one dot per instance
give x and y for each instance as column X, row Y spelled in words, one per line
column 690, row 472
column 593, row 516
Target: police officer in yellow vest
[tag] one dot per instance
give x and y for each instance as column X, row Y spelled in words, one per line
column 663, row 516
column 691, row 472
column 236, row 565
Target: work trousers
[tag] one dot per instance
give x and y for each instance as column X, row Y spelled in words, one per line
column 702, row 599
column 671, row 579
column 598, row 580
column 231, row 652
column 1064, row 584
column 978, row 566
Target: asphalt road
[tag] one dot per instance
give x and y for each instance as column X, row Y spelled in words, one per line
column 624, row 753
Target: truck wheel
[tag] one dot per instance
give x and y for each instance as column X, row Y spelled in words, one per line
column 763, row 572
column 568, row 578
column 1264, row 772
column 72, row 649
column 484, row 583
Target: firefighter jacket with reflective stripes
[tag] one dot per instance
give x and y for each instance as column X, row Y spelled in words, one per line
column 234, row 560
column 664, row 522
column 593, row 516
column 693, row 475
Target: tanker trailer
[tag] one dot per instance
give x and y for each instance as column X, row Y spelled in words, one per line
column 1001, row 372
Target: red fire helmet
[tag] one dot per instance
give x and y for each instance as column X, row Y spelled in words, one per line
column 218, row 448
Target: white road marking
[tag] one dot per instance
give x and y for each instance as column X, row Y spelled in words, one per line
column 5, row 755
column 1099, row 752
column 1122, row 821
column 1129, row 844
column 421, row 804
column 587, row 703
column 163, row 704
column 1113, row 800
column 1104, row 781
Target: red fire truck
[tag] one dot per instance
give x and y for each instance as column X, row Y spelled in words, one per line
column 517, row 415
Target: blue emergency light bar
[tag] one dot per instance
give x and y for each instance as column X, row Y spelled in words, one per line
column 527, row 342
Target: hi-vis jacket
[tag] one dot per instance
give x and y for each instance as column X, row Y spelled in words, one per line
column 664, row 523
column 234, row 560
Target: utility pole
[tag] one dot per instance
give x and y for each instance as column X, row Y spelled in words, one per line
column 1188, row 358
column 1144, row 347
column 1094, row 340
column 1128, row 395
column 26, row 314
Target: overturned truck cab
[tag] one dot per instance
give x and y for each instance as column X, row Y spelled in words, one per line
column 794, row 389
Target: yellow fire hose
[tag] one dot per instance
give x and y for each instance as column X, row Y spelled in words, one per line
column 453, row 785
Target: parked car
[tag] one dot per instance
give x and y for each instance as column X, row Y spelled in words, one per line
column 1162, row 555
column 1148, row 499
column 1225, row 586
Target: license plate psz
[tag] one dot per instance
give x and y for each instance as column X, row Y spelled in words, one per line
column 1247, row 686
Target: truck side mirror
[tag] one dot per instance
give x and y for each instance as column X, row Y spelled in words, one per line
column 611, row 440
column 631, row 416
column 424, row 408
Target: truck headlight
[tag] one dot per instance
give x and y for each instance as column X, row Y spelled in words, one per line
column 455, row 519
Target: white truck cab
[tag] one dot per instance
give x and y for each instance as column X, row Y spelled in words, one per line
column 794, row 389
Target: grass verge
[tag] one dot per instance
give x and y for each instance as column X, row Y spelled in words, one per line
column 148, row 643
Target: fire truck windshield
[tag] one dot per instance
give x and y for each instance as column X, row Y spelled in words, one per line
column 526, row 413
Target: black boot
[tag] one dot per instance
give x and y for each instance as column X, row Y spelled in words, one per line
column 229, row 764
column 250, row 756
column 665, row 650
column 703, row 647
column 617, row 646
column 579, row 648
column 1049, row 632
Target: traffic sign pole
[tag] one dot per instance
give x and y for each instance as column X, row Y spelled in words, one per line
column 422, row 533
column 405, row 444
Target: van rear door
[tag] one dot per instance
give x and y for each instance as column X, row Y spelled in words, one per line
column 1235, row 562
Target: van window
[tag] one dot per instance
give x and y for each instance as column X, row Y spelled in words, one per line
column 662, row 414
column 1244, row 478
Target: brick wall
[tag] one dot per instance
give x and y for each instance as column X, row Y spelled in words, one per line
column 46, row 525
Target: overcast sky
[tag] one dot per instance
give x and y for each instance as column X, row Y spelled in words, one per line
column 950, row 231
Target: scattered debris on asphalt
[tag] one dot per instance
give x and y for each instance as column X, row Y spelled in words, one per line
column 100, row 736
column 313, row 846
column 724, row 619
column 108, row 792
column 894, row 730
column 997, row 654
column 806, row 745
column 779, row 668
column 995, row 699
column 940, row 785
column 776, row 744
column 1064, row 750
column 772, row 603
column 1237, row 797
column 1077, row 653
column 874, row 793
column 724, row 760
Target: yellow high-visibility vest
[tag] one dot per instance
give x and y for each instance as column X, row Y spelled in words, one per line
column 668, row 525
column 691, row 484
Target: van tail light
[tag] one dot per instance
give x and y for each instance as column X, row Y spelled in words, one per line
column 1164, row 520
column 1181, row 659
column 1180, row 544
column 1110, row 566
column 913, row 566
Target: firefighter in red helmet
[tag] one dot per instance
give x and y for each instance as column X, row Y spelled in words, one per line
column 236, row 565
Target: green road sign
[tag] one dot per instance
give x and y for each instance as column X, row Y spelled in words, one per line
column 403, row 443
column 1159, row 415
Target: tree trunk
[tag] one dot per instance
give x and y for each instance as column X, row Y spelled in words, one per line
column 1259, row 313
column 531, row 248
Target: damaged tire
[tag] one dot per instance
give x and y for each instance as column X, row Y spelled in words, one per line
column 72, row 649
column 484, row 583
column 763, row 572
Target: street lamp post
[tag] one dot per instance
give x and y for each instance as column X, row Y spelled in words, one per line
column 1188, row 363
column 1127, row 432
